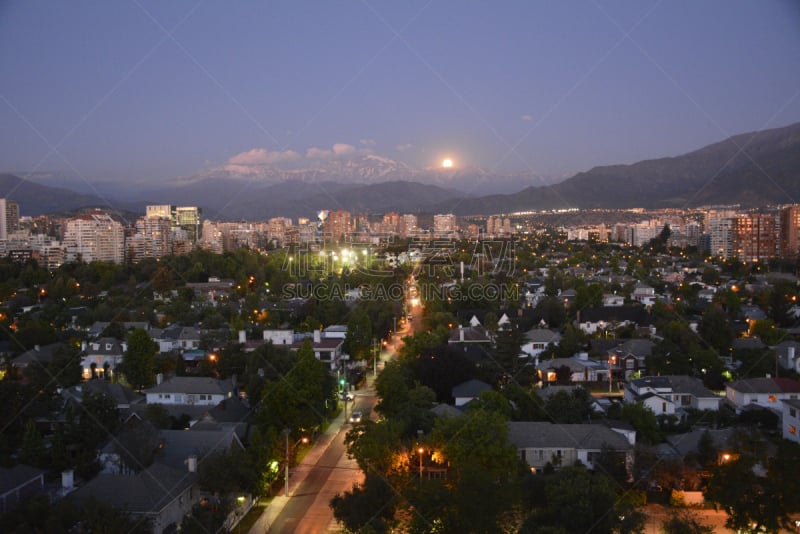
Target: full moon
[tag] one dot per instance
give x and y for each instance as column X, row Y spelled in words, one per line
column 447, row 163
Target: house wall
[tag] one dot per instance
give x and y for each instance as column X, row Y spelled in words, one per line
column 539, row 457
column 706, row 403
column 173, row 513
column 660, row 406
column 203, row 399
column 791, row 423
column 767, row 400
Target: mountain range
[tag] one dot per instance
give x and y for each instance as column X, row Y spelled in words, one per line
column 752, row 169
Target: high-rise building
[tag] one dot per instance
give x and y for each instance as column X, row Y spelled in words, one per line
column 754, row 237
column 408, row 225
column 338, row 225
column 9, row 217
column 790, row 231
column 189, row 219
column 719, row 227
column 94, row 237
column 444, row 225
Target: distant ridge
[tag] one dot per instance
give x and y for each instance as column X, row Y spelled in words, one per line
column 753, row 169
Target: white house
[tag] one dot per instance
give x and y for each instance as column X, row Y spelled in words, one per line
column 101, row 357
column 644, row 293
column 536, row 340
column 279, row 337
column 192, row 390
column 613, row 300
column 539, row 443
column 682, row 391
column 790, row 420
column 765, row 392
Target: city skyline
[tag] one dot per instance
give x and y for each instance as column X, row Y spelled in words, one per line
column 145, row 92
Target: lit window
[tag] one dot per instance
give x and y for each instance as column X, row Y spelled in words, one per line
column 792, row 429
column 772, row 398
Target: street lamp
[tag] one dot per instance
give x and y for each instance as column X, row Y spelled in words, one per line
column 374, row 357
column 420, row 451
column 286, row 433
column 304, row 439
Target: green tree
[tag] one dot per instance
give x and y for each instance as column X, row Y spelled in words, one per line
column 359, row 338
column 581, row 501
column 368, row 507
column 643, row 420
column 139, row 360
column 684, row 522
column 715, row 328
column 98, row 419
column 33, row 449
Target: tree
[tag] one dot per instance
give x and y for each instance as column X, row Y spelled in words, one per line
column 569, row 407
column 33, row 450
column 359, row 338
column 139, row 360
column 581, row 501
column 684, row 522
column 368, row 507
column 753, row 502
column 643, row 420
column 715, row 328
column 98, row 419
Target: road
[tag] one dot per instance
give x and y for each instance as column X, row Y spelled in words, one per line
column 326, row 470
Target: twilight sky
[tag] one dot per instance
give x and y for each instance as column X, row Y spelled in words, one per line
column 141, row 90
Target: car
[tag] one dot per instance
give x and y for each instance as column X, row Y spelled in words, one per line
column 348, row 396
column 355, row 417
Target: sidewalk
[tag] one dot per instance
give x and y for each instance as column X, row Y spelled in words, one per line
column 299, row 473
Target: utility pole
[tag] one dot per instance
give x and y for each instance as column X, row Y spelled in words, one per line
column 374, row 357
column 286, row 433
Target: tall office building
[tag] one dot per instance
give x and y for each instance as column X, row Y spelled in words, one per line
column 754, row 237
column 790, row 231
column 338, row 225
column 719, row 227
column 9, row 217
column 444, row 225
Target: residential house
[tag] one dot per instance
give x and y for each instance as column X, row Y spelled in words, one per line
column 17, row 484
column 723, row 440
column 788, row 354
column 765, row 392
column 681, row 391
column 97, row 329
column 629, row 358
column 176, row 337
column 613, row 300
column 469, row 391
column 101, row 357
column 644, row 293
column 606, row 320
column 161, row 494
column 540, row 443
column 41, row 354
column 328, row 351
column 469, row 334
column 790, row 420
column 537, row 340
column 192, row 390
column 582, row 369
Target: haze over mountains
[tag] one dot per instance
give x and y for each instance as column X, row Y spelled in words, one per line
column 753, row 169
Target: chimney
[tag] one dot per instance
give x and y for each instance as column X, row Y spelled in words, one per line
column 460, row 333
column 242, row 336
column 159, row 378
column 83, row 346
column 317, row 336
column 790, row 357
column 192, row 463
column 67, row 480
